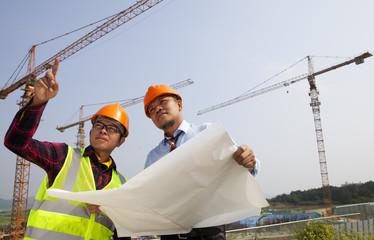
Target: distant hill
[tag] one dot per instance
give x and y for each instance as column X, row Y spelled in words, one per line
column 347, row 194
column 7, row 204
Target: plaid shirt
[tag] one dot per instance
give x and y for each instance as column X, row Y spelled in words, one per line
column 47, row 155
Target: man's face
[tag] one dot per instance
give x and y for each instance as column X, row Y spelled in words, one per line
column 104, row 140
column 165, row 111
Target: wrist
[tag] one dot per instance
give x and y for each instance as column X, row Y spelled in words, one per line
column 36, row 102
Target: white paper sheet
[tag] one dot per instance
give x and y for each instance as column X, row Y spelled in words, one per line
column 199, row 184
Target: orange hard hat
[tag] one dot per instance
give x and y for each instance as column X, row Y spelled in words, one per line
column 116, row 112
column 156, row 91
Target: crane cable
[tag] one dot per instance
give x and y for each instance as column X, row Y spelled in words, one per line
column 250, row 90
column 19, row 68
column 119, row 33
column 24, row 60
column 86, row 26
column 117, row 101
column 78, row 29
column 95, row 104
column 65, row 34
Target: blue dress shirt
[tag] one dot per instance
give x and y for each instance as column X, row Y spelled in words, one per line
column 188, row 131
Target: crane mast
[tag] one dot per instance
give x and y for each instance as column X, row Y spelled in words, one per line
column 81, row 134
column 315, row 103
column 18, row 217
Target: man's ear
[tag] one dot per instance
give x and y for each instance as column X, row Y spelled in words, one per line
column 121, row 140
column 180, row 105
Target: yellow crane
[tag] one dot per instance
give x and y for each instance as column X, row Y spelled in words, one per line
column 22, row 172
column 81, row 134
column 316, row 113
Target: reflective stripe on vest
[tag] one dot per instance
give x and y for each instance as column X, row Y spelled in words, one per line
column 53, row 218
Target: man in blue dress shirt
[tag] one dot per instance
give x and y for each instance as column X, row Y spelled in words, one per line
column 164, row 106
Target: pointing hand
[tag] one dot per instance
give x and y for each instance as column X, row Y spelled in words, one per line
column 46, row 87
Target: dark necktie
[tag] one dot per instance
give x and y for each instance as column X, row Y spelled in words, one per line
column 173, row 140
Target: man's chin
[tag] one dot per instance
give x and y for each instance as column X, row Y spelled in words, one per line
column 167, row 124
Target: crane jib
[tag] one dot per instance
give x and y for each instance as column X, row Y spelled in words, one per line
column 118, row 20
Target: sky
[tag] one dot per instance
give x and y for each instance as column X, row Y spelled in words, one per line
column 227, row 48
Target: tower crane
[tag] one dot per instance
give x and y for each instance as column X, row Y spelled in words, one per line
column 21, row 182
column 81, row 135
column 315, row 109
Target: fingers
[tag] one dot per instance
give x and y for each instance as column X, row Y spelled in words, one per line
column 241, row 149
column 50, row 80
column 55, row 67
column 244, row 156
column 42, row 82
column 50, row 77
column 48, row 83
column 46, row 87
column 92, row 208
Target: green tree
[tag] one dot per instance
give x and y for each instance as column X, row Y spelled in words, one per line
column 315, row 230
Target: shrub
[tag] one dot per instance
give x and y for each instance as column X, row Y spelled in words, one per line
column 315, row 230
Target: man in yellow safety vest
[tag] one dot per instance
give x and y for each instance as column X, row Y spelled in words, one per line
column 69, row 169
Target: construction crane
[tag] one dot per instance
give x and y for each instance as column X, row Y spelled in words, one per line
column 21, row 182
column 315, row 109
column 22, row 172
column 81, row 134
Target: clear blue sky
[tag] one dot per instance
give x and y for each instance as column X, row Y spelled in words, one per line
column 227, row 48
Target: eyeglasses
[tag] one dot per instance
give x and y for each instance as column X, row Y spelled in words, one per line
column 111, row 129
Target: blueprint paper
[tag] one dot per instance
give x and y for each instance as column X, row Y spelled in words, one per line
column 199, row 184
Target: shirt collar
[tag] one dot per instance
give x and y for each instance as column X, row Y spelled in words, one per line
column 183, row 127
column 89, row 152
column 107, row 163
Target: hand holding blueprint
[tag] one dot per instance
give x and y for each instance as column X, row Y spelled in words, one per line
column 199, row 184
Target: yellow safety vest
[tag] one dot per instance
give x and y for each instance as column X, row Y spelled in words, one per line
column 54, row 218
